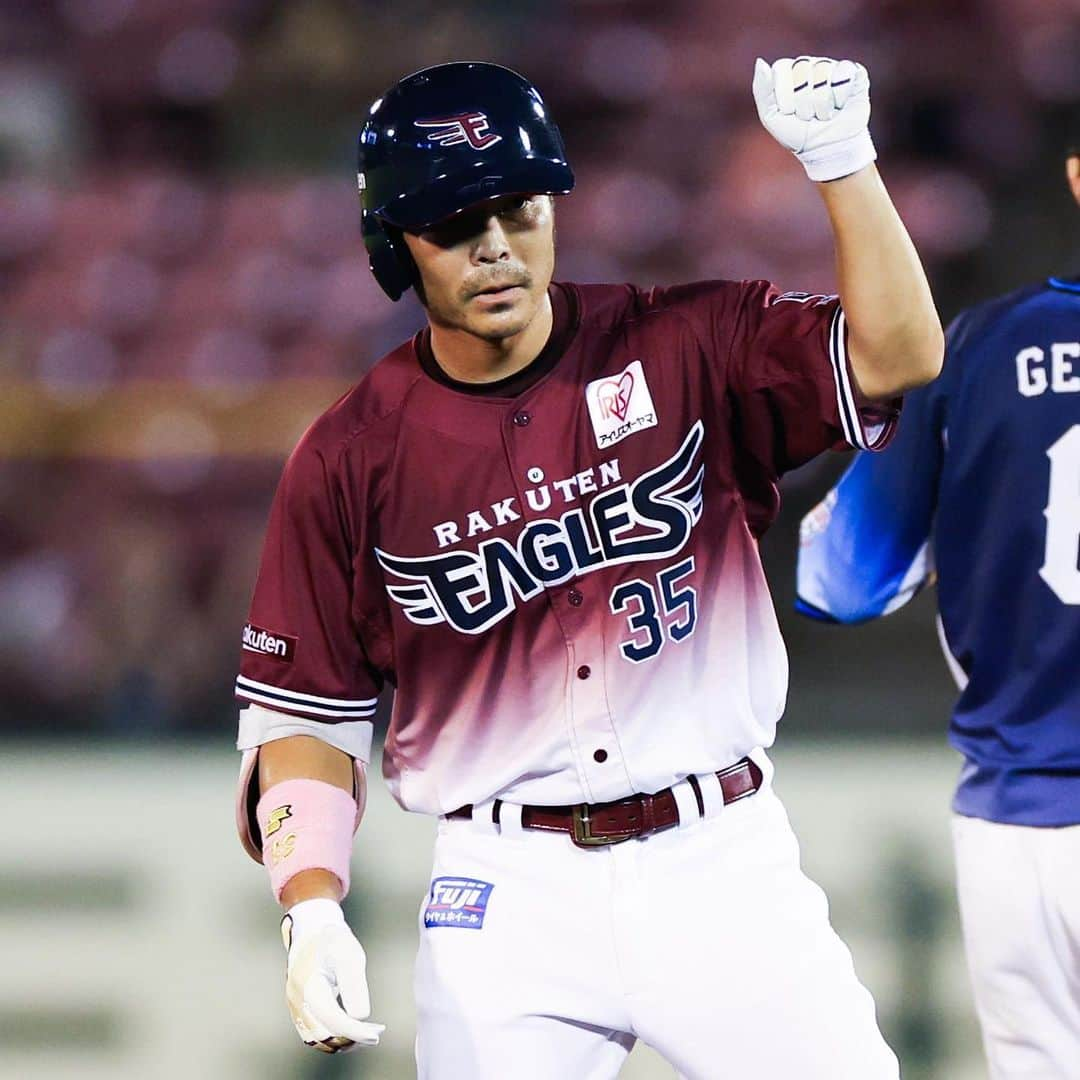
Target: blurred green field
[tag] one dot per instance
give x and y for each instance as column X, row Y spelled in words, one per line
column 141, row 942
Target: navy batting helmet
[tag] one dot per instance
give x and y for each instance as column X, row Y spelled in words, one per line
column 441, row 140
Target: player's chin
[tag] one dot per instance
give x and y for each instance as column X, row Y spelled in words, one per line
column 496, row 321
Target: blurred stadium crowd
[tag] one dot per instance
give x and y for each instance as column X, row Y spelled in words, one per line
column 184, row 288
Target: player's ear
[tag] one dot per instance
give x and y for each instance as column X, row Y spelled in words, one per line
column 1072, row 173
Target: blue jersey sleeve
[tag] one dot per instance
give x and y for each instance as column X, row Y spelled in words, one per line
column 865, row 549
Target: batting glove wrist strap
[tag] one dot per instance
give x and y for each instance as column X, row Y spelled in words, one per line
column 306, row 825
column 310, row 916
column 836, row 160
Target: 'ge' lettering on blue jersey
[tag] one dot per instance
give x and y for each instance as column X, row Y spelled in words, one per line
column 983, row 481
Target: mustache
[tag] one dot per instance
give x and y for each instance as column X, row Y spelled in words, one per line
column 497, row 278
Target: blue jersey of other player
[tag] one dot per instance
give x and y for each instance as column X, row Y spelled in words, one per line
column 983, row 481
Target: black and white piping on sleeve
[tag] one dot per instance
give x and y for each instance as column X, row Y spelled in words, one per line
column 860, row 436
column 306, row 704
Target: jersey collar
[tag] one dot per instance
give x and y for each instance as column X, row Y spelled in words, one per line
column 1065, row 284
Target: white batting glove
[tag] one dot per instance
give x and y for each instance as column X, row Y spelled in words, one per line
column 326, row 979
column 819, row 109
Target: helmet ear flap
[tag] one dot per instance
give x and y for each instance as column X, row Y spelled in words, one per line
column 389, row 259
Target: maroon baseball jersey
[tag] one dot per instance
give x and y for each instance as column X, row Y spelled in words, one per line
column 559, row 574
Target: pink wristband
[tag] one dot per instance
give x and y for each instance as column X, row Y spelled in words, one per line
column 306, row 825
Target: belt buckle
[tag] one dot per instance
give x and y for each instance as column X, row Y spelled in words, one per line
column 582, row 829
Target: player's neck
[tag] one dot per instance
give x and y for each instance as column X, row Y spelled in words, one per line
column 468, row 358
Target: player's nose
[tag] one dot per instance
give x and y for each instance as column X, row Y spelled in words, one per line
column 491, row 242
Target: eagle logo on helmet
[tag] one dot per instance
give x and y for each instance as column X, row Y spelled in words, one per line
column 471, row 128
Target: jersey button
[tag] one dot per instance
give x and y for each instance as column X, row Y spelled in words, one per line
column 599, row 756
column 522, row 419
column 575, row 597
column 584, row 671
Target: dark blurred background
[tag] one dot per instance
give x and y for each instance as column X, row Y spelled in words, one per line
column 184, row 289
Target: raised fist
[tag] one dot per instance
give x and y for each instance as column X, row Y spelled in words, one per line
column 819, row 109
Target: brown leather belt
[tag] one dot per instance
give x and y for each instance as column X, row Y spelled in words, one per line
column 599, row 824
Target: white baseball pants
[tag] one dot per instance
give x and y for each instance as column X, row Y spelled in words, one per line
column 542, row 961
column 1019, row 890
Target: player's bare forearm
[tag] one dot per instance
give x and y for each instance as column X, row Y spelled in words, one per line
column 302, row 756
column 895, row 340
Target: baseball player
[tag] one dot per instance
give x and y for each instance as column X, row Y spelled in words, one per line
column 983, row 483
column 538, row 521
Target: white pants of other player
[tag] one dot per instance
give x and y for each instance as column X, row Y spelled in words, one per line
column 706, row 941
column 1019, row 890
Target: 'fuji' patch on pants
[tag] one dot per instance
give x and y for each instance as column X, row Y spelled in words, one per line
column 458, row 902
